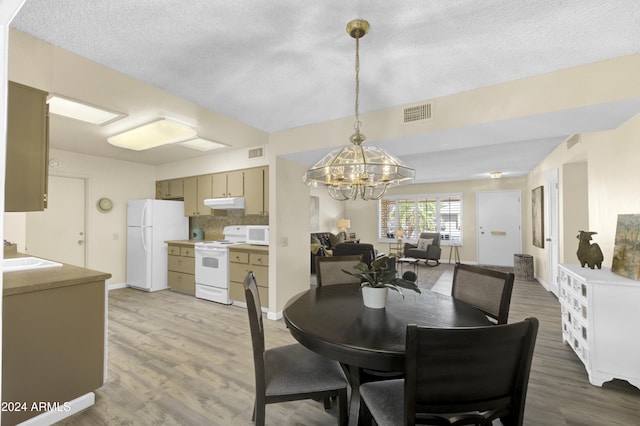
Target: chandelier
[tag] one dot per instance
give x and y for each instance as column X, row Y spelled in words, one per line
column 357, row 170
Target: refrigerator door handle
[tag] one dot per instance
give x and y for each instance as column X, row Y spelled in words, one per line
column 143, row 224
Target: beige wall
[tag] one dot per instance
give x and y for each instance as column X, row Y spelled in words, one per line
column 365, row 214
column 118, row 180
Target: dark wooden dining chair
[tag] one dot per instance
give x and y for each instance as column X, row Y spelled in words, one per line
column 486, row 289
column 457, row 376
column 291, row 372
column 329, row 269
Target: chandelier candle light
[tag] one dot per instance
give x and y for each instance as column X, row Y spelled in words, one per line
column 357, row 170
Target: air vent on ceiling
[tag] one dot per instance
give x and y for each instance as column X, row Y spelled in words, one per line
column 256, row 152
column 417, row 113
column 572, row 141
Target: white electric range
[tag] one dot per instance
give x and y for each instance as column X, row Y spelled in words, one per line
column 212, row 265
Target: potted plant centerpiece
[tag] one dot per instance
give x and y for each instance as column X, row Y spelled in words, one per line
column 377, row 279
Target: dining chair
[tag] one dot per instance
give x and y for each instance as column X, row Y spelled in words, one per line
column 290, row 372
column 486, row 289
column 329, row 269
column 460, row 376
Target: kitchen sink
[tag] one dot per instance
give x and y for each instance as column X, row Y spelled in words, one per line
column 27, row 264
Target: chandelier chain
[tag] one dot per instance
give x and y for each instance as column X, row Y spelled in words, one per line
column 357, row 105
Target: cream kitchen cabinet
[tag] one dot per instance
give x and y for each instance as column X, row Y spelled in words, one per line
column 171, row 189
column 228, row 184
column 27, row 149
column 600, row 322
column 245, row 258
column 181, row 268
column 256, row 191
column 196, row 190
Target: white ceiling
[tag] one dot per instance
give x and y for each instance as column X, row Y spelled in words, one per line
column 287, row 63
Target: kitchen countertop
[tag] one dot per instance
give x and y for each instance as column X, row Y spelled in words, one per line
column 18, row 282
column 254, row 247
column 188, row 243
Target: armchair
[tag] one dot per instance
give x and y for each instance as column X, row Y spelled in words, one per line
column 430, row 251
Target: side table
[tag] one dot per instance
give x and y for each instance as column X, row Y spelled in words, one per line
column 453, row 249
column 408, row 261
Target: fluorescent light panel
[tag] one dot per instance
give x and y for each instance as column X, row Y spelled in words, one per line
column 202, row 144
column 81, row 111
column 154, row 134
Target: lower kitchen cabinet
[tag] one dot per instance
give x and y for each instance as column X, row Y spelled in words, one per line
column 245, row 258
column 182, row 269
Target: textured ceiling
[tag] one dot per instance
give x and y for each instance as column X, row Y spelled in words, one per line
column 287, row 63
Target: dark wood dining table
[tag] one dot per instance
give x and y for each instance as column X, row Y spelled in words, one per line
column 333, row 321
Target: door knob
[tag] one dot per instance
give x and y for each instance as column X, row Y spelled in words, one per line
column 80, row 242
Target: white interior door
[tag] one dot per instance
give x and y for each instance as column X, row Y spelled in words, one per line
column 499, row 227
column 58, row 233
column 552, row 218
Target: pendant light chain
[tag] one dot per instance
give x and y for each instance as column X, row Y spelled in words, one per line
column 357, row 124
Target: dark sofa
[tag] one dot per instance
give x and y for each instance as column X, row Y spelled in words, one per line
column 322, row 244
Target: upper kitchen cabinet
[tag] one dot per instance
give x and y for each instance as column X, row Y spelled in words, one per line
column 172, row 189
column 27, row 149
column 256, row 191
column 228, row 184
column 196, row 190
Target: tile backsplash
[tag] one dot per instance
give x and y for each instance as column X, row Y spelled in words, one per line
column 214, row 224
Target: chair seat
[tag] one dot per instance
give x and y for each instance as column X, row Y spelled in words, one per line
column 385, row 401
column 293, row 369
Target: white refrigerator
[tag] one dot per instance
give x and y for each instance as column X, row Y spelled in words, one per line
column 149, row 224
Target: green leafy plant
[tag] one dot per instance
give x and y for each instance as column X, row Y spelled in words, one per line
column 380, row 274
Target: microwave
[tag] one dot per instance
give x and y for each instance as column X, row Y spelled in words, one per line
column 258, row 234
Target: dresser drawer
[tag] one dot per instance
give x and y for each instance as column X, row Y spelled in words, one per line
column 187, row 252
column 186, row 265
column 238, row 257
column 182, row 283
column 174, row 250
column 236, row 292
column 259, row 259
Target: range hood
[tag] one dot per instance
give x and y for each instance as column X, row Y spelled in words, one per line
column 231, row 203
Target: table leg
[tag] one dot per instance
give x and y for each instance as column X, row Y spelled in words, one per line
column 354, row 403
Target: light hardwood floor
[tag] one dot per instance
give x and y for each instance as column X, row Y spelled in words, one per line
column 178, row 360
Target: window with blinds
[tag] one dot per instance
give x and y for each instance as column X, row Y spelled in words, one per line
column 421, row 213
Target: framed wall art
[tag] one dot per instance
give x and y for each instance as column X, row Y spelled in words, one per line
column 537, row 216
column 626, row 250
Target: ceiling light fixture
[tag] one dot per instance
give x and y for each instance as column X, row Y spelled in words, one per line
column 495, row 175
column 82, row 111
column 202, row 144
column 154, row 134
column 355, row 170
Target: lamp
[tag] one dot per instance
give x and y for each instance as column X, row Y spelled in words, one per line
column 151, row 135
column 81, row 111
column 399, row 234
column 495, row 175
column 355, row 170
column 343, row 225
column 202, row 144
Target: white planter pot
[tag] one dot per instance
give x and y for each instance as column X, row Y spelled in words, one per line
column 374, row 297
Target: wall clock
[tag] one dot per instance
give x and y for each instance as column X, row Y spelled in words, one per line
column 104, row 205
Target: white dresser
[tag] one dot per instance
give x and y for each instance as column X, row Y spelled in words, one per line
column 601, row 322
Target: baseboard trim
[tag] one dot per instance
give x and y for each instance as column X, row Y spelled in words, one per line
column 65, row 410
column 117, row 286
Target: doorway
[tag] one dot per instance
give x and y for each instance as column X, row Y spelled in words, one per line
column 499, row 227
column 58, row 233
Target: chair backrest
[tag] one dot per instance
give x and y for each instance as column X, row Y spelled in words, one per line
column 329, row 270
column 257, row 329
column 486, row 289
column 366, row 250
column 431, row 235
column 468, row 370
